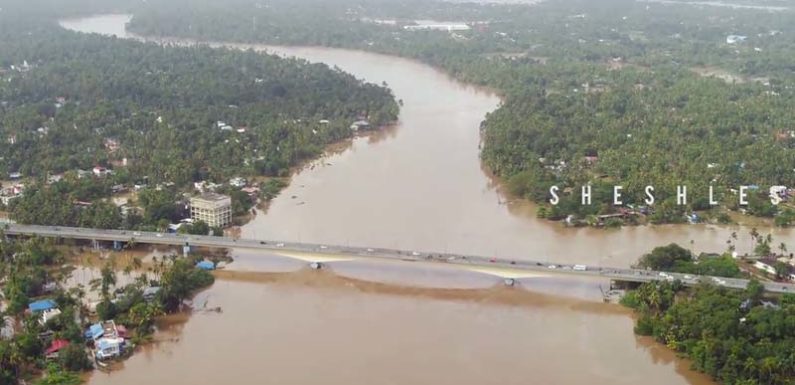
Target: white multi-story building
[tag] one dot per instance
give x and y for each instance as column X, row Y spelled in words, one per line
column 211, row 208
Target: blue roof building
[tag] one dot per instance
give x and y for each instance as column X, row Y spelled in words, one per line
column 42, row 305
column 95, row 331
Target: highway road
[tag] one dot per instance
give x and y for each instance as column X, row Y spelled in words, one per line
column 471, row 261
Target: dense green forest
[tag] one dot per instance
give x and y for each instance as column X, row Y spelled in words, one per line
column 608, row 92
column 735, row 337
column 675, row 258
column 159, row 107
column 164, row 115
column 35, row 269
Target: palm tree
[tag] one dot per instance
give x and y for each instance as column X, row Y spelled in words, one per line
column 654, row 300
column 750, row 367
column 108, row 279
column 136, row 263
column 768, row 366
column 16, row 359
column 754, row 234
column 155, row 267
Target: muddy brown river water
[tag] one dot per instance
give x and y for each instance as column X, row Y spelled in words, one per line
column 417, row 186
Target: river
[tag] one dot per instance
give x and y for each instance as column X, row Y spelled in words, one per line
column 419, row 186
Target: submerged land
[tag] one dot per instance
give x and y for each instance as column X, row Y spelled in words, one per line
column 574, row 93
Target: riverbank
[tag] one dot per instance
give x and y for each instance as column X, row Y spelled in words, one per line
column 735, row 337
column 422, row 188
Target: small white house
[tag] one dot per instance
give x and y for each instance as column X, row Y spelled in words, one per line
column 223, row 126
column 49, row 314
column 7, row 329
column 101, row 171
column 108, row 348
column 734, row 39
column 54, row 178
column 6, row 199
column 360, row 124
column 238, row 182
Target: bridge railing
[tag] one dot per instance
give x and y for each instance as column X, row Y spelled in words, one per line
column 626, row 274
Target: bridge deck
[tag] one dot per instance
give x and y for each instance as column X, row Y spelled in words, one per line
column 472, row 262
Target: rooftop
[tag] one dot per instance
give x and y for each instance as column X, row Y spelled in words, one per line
column 42, row 305
column 213, row 197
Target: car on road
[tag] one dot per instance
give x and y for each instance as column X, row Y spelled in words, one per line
column 323, row 247
column 416, row 254
column 159, row 235
column 580, row 267
column 280, row 244
column 136, row 233
column 370, row 250
column 552, row 266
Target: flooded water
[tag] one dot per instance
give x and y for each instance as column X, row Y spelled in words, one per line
column 312, row 327
column 421, row 186
column 416, row 186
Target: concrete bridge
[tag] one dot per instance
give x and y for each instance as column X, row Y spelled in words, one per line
column 316, row 255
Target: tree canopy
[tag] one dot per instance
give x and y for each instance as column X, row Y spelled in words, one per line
column 615, row 92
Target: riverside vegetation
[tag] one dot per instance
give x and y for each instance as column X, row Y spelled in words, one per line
column 737, row 337
column 158, row 116
column 607, row 93
column 35, row 269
